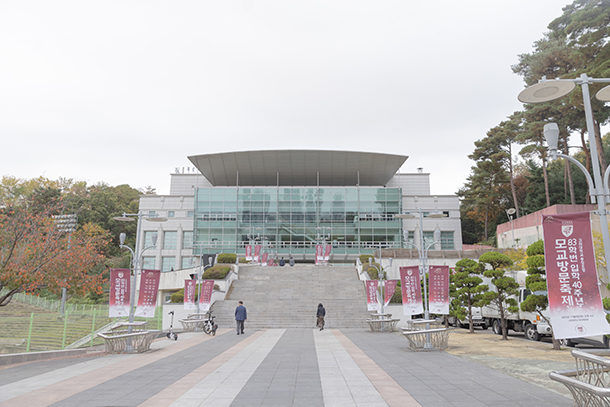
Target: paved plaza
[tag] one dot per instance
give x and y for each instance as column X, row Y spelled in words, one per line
column 275, row 367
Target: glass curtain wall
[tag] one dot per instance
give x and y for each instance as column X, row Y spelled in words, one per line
column 293, row 220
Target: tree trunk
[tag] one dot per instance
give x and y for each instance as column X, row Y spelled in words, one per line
column 600, row 147
column 546, row 182
column 470, row 316
column 587, row 159
column 512, row 180
column 502, row 319
column 569, row 175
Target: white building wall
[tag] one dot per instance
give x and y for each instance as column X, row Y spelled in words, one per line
column 411, row 184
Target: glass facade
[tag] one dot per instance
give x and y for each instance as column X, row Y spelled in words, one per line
column 292, row 220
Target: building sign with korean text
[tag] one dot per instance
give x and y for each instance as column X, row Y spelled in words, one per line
column 205, row 299
column 390, row 288
column 372, row 304
column 190, row 286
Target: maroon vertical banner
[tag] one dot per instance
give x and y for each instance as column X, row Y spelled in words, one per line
column 575, row 304
column 390, row 288
column 411, row 290
column 438, row 283
column 264, row 260
column 257, row 253
column 372, row 303
column 205, row 299
column 319, row 254
column 248, row 252
column 120, row 283
column 149, row 287
column 327, row 253
column 190, row 286
column 270, row 262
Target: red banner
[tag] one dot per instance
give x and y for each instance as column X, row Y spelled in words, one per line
column 248, row 252
column 189, row 294
column 327, row 253
column 120, row 283
column 372, row 303
column 438, row 277
column 147, row 299
column 319, row 254
column 390, row 288
column 411, row 290
column 265, row 257
column 271, row 262
column 205, row 299
column 257, row 253
column 575, row 303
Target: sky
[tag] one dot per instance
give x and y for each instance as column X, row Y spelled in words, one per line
column 122, row 92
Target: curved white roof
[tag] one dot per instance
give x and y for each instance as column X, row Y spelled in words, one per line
column 298, row 168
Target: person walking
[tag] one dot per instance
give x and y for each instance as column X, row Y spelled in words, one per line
column 241, row 315
column 320, row 314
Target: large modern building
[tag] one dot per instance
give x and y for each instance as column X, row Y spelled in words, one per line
column 290, row 200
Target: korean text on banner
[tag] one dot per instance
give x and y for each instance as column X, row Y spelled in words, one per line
column 372, row 304
column 206, row 295
column 147, row 300
column 248, row 252
column 264, row 260
column 319, row 254
column 189, row 294
column 120, row 283
column 575, row 303
column 390, row 288
column 257, row 253
column 327, row 253
column 411, row 290
column 438, row 281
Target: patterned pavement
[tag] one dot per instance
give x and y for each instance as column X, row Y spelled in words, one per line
column 275, row 367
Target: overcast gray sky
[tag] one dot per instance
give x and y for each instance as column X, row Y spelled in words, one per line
column 123, row 91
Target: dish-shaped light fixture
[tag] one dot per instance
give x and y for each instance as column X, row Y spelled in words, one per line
column 604, row 94
column 546, row 91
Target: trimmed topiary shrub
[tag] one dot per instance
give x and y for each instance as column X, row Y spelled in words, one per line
column 178, row 296
column 364, row 258
column 242, row 260
column 217, row 272
column 226, row 258
column 373, row 273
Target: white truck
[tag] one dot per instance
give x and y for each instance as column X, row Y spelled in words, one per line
column 530, row 323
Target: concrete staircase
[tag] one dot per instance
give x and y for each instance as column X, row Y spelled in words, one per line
column 288, row 297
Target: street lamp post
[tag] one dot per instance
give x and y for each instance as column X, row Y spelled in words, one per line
column 66, row 224
column 136, row 256
column 547, row 90
column 423, row 256
column 381, row 276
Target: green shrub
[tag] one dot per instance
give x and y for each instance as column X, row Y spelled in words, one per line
column 178, row 296
column 217, row 272
column 242, row 260
column 364, row 258
column 372, row 269
column 397, row 297
column 226, row 258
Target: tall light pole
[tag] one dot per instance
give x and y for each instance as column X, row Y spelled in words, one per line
column 66, row 224
column 422, row 250
column 136, row 255
column 381, row 273
column 547, row 90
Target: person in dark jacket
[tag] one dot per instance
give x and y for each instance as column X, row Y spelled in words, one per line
column 241, row 315
column 282, row 262
column 320, row 314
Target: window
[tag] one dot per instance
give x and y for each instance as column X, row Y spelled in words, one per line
column 187, row 239
column 428, row 238
column 171, row 214
column 148, row 238
column 169, row 240
column 188, row 262
column 148, row 263
column 447, row 241
column 168, row 264
column 190, row 214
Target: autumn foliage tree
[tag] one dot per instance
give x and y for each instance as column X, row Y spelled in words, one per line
column 34, row 253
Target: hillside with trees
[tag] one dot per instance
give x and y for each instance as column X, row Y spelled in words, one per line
column 512, row 168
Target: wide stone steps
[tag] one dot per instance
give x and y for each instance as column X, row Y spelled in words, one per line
column 288, row 297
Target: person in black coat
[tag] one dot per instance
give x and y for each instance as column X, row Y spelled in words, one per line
column 320, row 314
